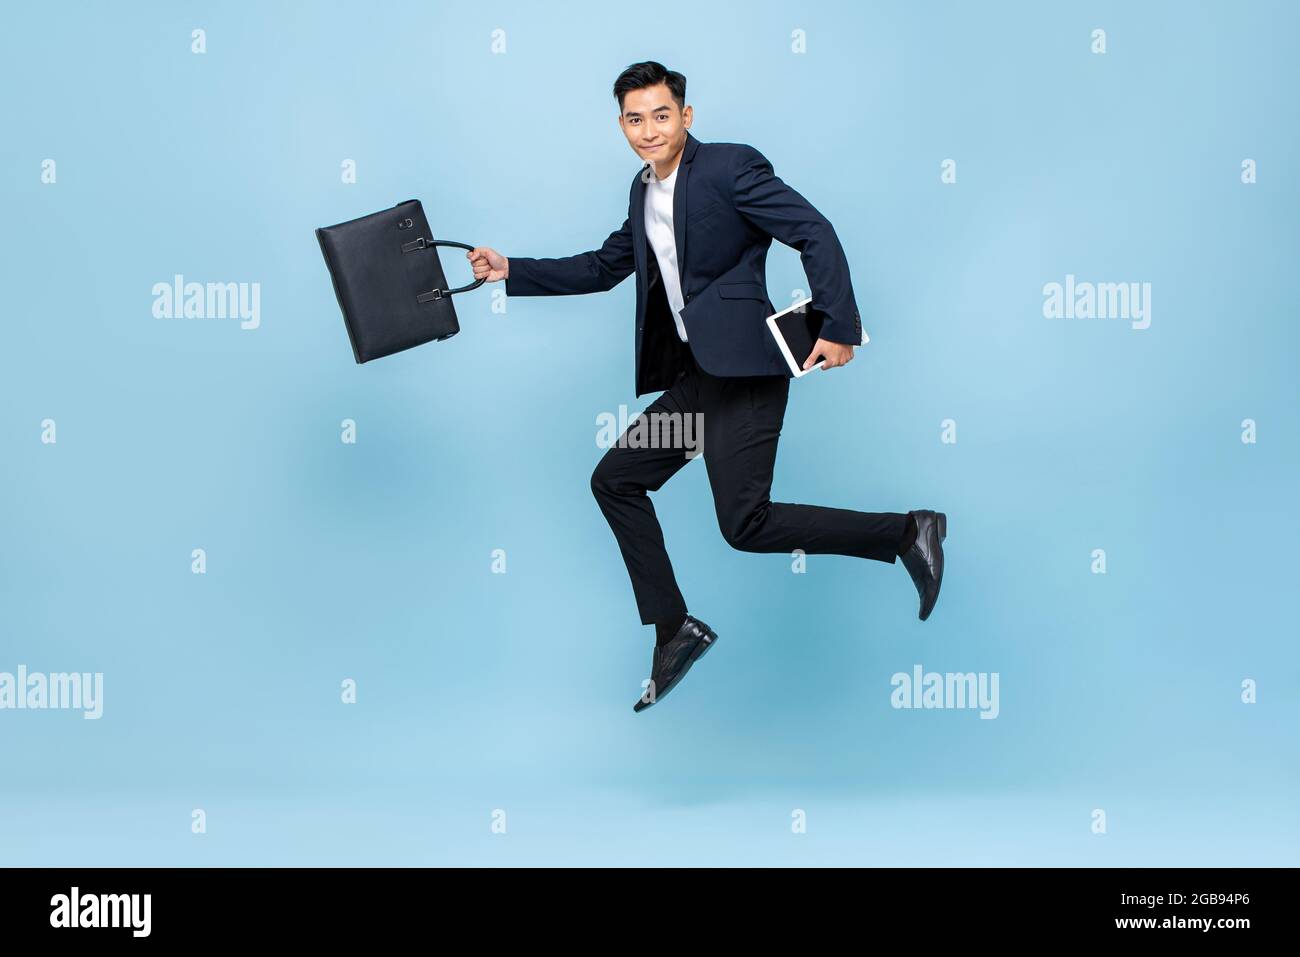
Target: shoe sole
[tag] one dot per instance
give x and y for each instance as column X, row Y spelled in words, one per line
column 702, row 649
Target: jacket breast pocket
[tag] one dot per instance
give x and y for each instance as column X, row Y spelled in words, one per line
column 704, row 213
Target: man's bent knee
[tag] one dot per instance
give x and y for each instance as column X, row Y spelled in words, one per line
column 601, row 484
column 742, row 532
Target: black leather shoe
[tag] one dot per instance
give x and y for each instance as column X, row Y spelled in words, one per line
column 924, row 560
column 674, row 658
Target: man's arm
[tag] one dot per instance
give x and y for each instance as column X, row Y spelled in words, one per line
column 595, row 271
column 777, row 209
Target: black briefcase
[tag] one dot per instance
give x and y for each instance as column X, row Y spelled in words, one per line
column 389, row 282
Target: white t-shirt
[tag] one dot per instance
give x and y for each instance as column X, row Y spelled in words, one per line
column 659, row 230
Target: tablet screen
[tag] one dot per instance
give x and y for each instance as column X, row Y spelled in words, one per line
column 796, row 330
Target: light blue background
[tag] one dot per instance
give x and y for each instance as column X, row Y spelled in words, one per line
column 480, row 691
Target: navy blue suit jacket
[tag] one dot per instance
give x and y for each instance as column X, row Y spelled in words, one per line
column 728, row 206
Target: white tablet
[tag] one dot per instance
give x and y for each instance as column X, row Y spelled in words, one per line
column 796, row 329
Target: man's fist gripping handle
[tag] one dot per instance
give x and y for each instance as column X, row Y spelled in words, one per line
column 488, row 264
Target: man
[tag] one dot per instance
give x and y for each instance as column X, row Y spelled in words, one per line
column 699, row 224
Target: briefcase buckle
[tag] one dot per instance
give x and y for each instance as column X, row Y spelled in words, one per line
column 429, row 296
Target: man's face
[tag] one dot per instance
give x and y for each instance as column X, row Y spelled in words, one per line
column 654, row 126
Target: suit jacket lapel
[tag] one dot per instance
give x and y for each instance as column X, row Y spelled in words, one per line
column 637, row 213
column 679, row 203
column 640, row 251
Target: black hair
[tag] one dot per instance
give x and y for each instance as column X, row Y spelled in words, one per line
column 641, row 75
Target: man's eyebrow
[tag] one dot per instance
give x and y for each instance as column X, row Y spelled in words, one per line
column 657, row 109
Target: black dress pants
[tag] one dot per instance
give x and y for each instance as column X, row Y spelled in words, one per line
column 741, row 421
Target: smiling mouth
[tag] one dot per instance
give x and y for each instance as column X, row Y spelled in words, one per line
column 653, row 147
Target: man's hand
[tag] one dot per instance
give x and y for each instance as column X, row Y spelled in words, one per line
column 488, row 263
column 836, row 353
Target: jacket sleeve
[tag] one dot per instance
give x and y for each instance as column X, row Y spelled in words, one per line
column 778, row 210
column 595, row 271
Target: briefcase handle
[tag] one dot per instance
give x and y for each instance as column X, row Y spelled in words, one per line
column 433, row 294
